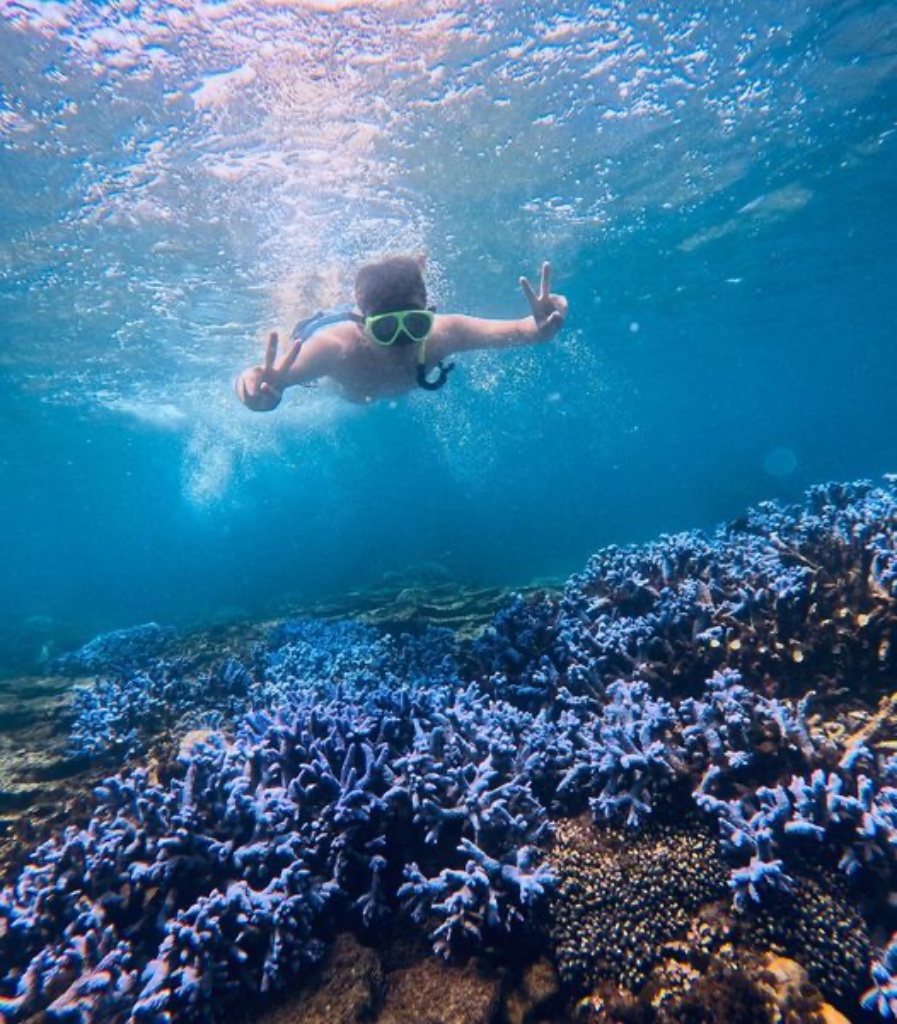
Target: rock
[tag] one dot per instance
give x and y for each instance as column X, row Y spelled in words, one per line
column 433, row 992
column 725, row 994
column 831, row 1016
column 790, row 994
column 541, row 982
column 348, row 990
column 38, row 778
column 784, row 976
column 539, row 985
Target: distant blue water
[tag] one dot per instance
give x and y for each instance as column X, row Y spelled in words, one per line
column 731, row 336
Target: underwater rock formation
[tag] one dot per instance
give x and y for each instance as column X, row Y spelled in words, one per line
column 347, row 773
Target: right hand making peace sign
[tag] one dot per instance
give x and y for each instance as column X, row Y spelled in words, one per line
column 260, row 388
column 549, row 311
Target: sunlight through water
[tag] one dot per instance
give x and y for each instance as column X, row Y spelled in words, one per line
column 178, row 179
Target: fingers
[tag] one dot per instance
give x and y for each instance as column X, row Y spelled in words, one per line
column 290, row 357
column 271, row 351
column 268, row 397
column 246, row 390
column 544, row 285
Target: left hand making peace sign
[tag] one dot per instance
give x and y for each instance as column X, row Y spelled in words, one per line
column 549, row 311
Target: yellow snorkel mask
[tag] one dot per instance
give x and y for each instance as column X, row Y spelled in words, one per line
column 408, row 327
column 403, row 328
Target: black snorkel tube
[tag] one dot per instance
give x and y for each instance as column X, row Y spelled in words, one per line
column 444, row 369
column 433, row 385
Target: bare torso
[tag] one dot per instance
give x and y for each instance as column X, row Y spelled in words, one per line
column 364, row 372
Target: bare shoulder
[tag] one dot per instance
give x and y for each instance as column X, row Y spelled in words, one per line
column 324, row 352
column 343, row 332
column 335, row 339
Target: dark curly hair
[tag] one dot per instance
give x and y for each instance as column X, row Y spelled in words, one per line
column 390, row 285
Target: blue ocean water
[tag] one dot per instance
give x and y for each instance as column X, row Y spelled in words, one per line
column 716, row 190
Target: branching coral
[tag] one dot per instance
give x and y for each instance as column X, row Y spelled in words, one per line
column 127, row 705
column 358, row 771
column 786, row 596
column 854, row 814
column 883, row 994
column 486, row 894
column 122, row 650
column 217, row 881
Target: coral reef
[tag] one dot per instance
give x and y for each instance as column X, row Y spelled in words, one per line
column 765, row 990
column 793, row 598
column 343, row 773
column 621, row 897
column 407, row 602
column 122, row 710
column 883, row 994
column 219, row 879
column 816, row 925
column 845, row 811
column 121, row 649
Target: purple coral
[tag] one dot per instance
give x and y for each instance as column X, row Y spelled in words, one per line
column 220, row 879
column 349, row 757
column 635, row 752
column 121, row 650
column 882, row 996
column 486, row 894
column 852, row 813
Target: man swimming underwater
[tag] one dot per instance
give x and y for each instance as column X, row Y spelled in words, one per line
column 394, row 341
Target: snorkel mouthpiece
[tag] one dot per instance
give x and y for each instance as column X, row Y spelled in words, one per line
column 442, row 376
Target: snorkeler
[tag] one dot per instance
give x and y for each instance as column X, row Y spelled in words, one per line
column 393, row 341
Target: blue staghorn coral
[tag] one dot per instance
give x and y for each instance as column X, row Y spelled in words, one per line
column 357, row 772
column 224, row 874
column 883, row 994
column 788, row 596
column 125, row 707
column 120, row 650
column 486, row 894
column 852, row 812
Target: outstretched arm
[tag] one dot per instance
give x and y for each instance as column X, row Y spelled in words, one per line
column 458, row 333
